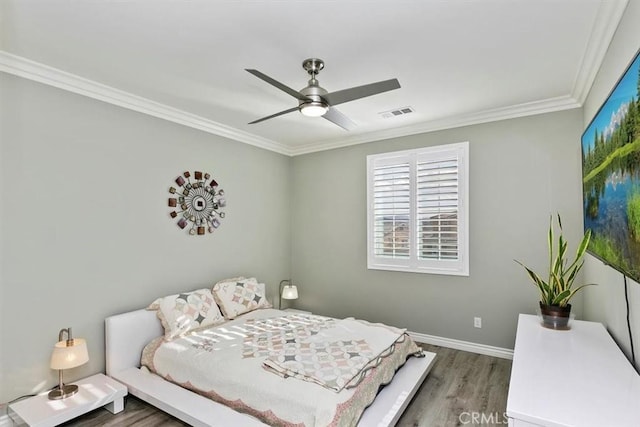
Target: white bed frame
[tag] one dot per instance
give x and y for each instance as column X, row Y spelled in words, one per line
column 126, row 335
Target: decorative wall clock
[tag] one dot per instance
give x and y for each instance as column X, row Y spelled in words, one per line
column 197, row 202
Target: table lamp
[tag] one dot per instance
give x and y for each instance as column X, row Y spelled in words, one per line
column 289, row 291
column 67, row 354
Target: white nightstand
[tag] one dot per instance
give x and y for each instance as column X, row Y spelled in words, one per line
column 93, row 392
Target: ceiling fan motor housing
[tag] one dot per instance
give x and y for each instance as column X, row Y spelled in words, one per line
column 316, row 105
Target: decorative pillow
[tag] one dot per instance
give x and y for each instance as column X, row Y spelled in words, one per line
column 183, row 313
column 239, row 296
column 154, row 305
column 235, row 279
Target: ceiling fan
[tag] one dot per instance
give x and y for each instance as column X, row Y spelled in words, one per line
column 315, row 101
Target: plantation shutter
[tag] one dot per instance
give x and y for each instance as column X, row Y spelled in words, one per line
column 392, row 197
column 416, row 210
column 437, row 208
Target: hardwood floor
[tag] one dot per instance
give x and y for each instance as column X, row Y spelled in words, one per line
column 461, row 389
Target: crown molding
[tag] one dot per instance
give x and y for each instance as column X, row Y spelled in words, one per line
column 496, row 114
column 45, row 74
column 606, row 23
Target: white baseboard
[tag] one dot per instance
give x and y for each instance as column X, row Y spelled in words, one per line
column 5, row 421
column 503, row 353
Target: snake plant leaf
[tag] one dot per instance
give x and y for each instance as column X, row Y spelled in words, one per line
column 537, row 281
column 584, row 244
column 558, row 283
column 550, row 243
column 561, row 297
column 582, row 248
column 578, row 288
column 562, row 248
column 574, row 272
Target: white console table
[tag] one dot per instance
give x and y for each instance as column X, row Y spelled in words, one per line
column 576, row 378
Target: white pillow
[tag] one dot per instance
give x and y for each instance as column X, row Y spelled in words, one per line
column 238, row 296
column 183, row 313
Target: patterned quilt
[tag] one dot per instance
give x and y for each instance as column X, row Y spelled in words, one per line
column 287, row 370
column 310, row 348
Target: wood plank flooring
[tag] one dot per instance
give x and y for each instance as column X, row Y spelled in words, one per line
column 462, row 389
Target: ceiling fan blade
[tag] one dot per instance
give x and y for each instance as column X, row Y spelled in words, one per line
column 274, row 115
column 339, row 119
column 277, row 84
column 346, row 95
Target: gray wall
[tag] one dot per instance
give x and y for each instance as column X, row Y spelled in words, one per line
column 86, row 231
column 521, row 171
column 606, row 302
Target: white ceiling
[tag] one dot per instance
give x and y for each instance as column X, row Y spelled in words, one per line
column 458, row 61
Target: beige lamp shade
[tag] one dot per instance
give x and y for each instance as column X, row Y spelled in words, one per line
column 290, row 292
column 66, row 357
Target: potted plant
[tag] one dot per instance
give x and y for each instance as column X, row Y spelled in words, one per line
column 556, row 292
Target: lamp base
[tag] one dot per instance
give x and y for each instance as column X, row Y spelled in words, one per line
column 67, row 390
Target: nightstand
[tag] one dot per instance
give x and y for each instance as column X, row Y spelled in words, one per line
column 93, row 392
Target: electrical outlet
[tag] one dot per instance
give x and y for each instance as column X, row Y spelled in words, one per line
column 477, row 322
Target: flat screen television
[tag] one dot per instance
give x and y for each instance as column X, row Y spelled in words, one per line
column 611, row 176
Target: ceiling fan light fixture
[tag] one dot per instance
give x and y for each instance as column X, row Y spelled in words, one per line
column 314, row 109
column 315, row 101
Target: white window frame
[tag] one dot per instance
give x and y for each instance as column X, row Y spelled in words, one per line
column 459, row 266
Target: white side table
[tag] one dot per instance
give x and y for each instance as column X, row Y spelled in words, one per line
column 93, row 392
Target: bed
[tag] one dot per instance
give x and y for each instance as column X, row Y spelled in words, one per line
column 128, row 334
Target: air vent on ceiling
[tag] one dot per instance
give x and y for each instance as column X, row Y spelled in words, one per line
column 397, row 112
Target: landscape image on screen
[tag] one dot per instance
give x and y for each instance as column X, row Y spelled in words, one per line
column 611, row 176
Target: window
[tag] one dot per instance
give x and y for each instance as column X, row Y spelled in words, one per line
column 417, row 210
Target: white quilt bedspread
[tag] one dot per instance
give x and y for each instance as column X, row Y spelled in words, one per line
column 286, row 369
